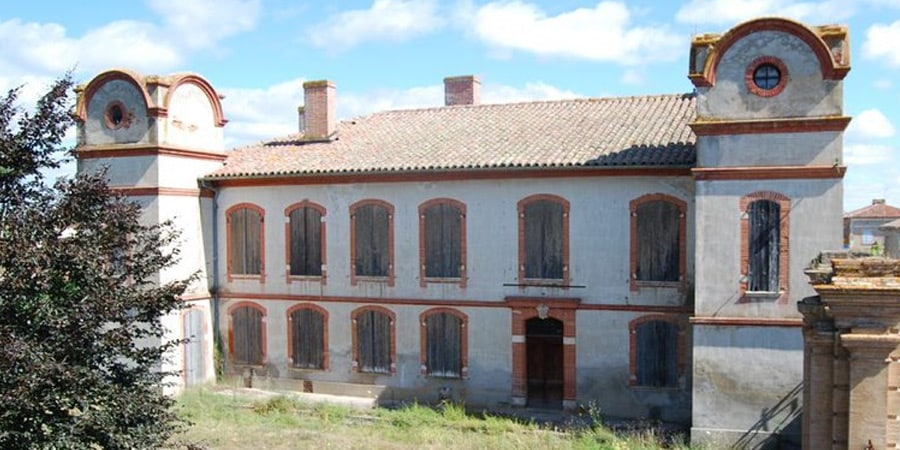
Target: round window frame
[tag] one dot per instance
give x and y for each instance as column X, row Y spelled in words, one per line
column 107, row 115
column 756, row 64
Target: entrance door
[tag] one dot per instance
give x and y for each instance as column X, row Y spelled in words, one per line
column 544, row 356
column 193, row 347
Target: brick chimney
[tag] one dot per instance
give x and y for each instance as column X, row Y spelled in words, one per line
column 319, row 109
column 464, row 90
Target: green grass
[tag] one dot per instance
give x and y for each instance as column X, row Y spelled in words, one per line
column 229, row 421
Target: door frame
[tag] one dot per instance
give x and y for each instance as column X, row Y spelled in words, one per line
column 562, row 309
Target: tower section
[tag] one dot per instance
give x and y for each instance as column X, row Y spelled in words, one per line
column 768, row 176
column 155, row 136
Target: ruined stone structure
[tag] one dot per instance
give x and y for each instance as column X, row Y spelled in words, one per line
column 852, row 349
column 640, row 253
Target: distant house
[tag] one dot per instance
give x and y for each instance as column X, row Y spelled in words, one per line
column 642, row 253
column 862, row 227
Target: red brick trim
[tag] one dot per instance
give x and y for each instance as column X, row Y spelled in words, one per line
column 565, row 235
column 463, row 345
column 290, row 332
column 262, row 242
column 356, row 312
column 831, row 69
column 746, row 322
column 568, row 303
column 390, row 209
column 204, row 339
column 682, row 236
column 287, row 240
column 527, row 308
column 120, row 151
column 446, row 175
column 463, row 278
column 211, row 95
column 751, row 71
column 784, row 204
column 101, row 79
column 140, row 191
column 768, row 126
column 769, row 173
column 264, row 327
column 678, row 321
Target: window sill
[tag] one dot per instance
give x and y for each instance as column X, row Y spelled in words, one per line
column 248, row 277
column 293, row 369
column 436, row 280
column 638, row 387
column 543, row 282
column 763, row 295
column 318, row 278
column 372, row 279
column 658, row 284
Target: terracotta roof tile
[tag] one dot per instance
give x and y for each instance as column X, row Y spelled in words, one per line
column 627, row 131
column 878, row 210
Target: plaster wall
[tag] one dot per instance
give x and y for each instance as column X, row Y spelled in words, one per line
column 599, row 238
column 776, row 149
column 815, row 223
column 125, row 171
column 746, row 383
column 190, row 121
column 95, row 132
column 806, row 93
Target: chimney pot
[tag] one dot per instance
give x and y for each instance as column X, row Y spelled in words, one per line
column 464, row 90
column 319, row 109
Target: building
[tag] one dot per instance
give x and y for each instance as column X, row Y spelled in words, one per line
column 862, row 227
column 640, row 253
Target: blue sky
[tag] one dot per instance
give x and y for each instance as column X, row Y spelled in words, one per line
column 387, row 54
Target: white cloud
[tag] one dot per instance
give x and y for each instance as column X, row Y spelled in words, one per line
column 883, row 84
column 257, row 114
column 201, row 23
column 601, row 33
column 870, row 124
column 866, row 154
column 730, row 12
column 881, row 43
column 354, row 105
column 391, row 20
column 530, row 92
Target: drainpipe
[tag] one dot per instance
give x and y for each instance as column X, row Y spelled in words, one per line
column 214, row 284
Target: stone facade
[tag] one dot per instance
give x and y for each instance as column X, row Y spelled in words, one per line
column 852, row 349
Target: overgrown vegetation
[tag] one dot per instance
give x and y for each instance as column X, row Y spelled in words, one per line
column 232, row 421
column 81, row 342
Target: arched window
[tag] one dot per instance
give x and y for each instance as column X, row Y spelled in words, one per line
column 656, row 353
column 305, row 239
column 658, row 250
column 444, row 343
column 246, row 238
column 247, row 334
column 442, row 231
column 373, row 340
column 543, row 238
column 372, row 240
column 307, row 337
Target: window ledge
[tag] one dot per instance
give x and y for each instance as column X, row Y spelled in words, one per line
column 637, row 387
column 544, row 282
column 372, row 279
column 449, row 280
column 763, row 295
column 660, row 284
column 305, row 277
column 293, row 369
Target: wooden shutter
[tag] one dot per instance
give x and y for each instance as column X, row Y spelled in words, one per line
column 308, row 334
column 443, row 241
column 373, row 338
column 247, row 331
column 306, row 241
column 246, row 233
column 657, row 354
column 764, row 236
column 544, row 240
column 658, row 243
column 372, row 244
column 444, row 345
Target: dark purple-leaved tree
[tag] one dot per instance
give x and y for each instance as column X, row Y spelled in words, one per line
column 81, row 341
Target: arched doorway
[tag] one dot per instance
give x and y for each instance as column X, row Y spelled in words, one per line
column 544, row 362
